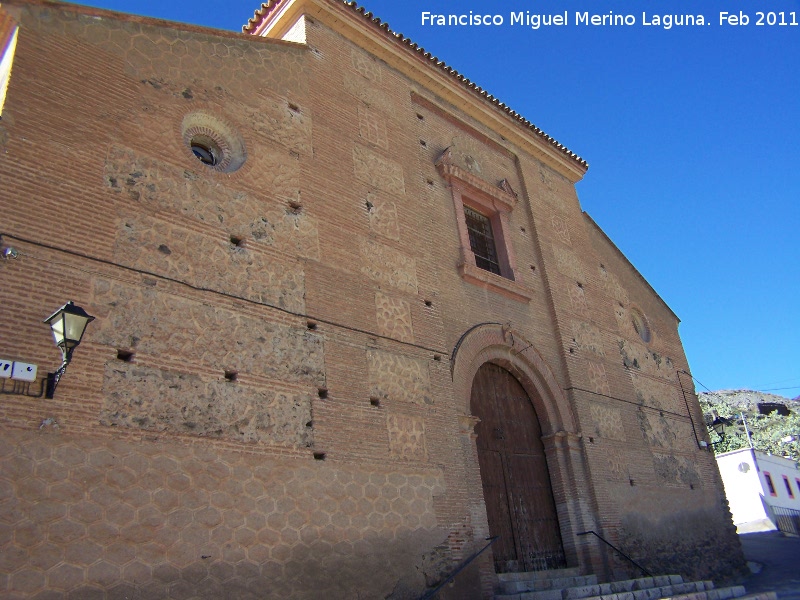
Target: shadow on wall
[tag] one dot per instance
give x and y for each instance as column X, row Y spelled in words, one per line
column 368, row 569
column 695, row 544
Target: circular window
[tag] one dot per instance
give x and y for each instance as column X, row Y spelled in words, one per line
column 640, row 325
column 206, row 150
column 213, row 142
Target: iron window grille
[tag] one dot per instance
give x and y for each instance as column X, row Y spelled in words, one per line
column 481, row 240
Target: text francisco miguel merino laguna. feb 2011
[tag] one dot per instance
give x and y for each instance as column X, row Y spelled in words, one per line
column 609, row 19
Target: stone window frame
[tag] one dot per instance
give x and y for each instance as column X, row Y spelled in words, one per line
column 221, row 140
column 495, row 202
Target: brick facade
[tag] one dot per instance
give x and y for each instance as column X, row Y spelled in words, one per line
column 274, row 398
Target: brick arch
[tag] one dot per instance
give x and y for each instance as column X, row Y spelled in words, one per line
column 507, row 348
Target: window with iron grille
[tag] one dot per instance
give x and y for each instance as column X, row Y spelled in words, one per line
column 483, row 212
column 481, row 240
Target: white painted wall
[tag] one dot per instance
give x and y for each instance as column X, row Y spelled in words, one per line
column 780, row 470
column 744, row 477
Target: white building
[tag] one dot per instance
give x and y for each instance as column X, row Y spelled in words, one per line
column 763, row 490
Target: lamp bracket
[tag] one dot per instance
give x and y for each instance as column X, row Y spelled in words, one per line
column 23, row 388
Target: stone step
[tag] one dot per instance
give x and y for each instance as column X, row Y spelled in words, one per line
column 641, row 583
column 657, row 592
column 760, row 596
column 533, row 586
column 539, row 575
column 538, row 585
column 683, row 591
column 726, row 593
column 644, row 588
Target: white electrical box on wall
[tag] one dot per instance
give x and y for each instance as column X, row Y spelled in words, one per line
column 5, row 368
column 23, row 371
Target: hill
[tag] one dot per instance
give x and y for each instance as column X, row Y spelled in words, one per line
column 772, row 421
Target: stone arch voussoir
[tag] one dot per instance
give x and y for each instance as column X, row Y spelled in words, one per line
column 507, row 348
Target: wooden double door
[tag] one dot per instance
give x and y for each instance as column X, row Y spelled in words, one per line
column 516, row 481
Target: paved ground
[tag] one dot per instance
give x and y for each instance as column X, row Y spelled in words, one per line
column 779, row 558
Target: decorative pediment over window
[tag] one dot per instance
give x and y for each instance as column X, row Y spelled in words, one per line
column 502, row 194
column 482, row 212
column 506, row 187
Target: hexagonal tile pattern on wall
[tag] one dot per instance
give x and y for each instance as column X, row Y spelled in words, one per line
column 84, row 517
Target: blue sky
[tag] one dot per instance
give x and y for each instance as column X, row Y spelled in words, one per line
column 693, row 139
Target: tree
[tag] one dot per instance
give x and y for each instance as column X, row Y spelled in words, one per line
column 772, row 433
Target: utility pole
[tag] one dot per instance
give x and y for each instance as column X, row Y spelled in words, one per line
column 746, row 431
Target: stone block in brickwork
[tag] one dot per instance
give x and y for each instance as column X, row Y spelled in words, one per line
column 657, row 393
column 394, row 317
column 406, row 437
column 607, row 421
column 659, row 431
column 291, row 232
column 559, row 225
column 625, row 322
column 372, row 127
column 577, row 299
column 617, row 465
column 588, row 337
column 182, row 254
column 612, row 286
column 637, row 356
column 275, row 119
column 163, row 401
column 158, row 52
column 143, row 320
column 398, row 377
column 387, row 265
column 158, row 519
column 598, row 378
column 278, row 176
column 366, row 65
column 369, row 95
column 378, row 171
column 676, row 470
column 382, row 216
column 162, row 186
column 272, row 119
column 469, row 154
column 568, row 263
column 656, row 429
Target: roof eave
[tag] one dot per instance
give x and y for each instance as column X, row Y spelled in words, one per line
column 276, row 17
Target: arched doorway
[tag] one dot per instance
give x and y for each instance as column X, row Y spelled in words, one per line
column 516, row 481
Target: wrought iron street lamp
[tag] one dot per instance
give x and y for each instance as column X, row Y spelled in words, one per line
column 68, row 324
column 721, row 426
